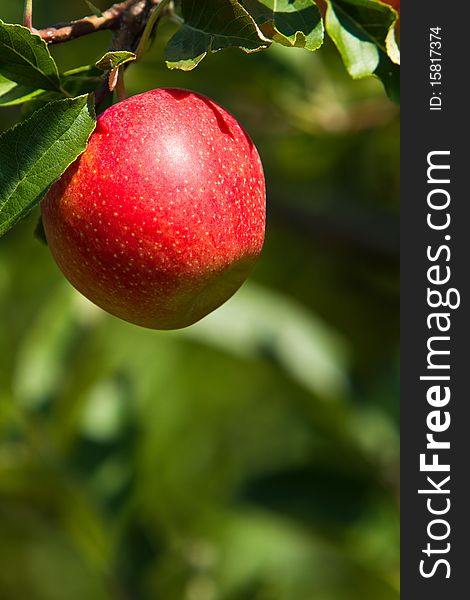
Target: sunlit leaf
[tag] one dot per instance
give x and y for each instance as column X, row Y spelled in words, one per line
column 111, row 60
column 360, row 29
column 209, row 26
column 12, row 93
column 60, row 132
column 25, row 58
column 290, row 23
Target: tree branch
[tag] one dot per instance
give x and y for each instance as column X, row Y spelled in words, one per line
column 109, row 19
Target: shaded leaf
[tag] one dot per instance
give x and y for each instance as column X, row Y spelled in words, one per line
column 209, row 26
column 82, row 80
column 389, row 74
column 34, row 153
column 37, row 102
column 12, row 93
column 25, row 58
column 111, row 60
column 290, row 23
column 359, row 29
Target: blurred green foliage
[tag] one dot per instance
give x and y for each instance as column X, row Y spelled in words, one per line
column 253, row 456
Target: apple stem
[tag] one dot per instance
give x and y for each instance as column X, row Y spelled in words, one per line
column 28, row 14
column 120, row 86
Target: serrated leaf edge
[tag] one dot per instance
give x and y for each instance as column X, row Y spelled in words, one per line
column 55, row 83
column 179, row 64
column 131, row 57
column 7, row 225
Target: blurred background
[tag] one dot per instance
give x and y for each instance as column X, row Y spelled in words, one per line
column 254, row 455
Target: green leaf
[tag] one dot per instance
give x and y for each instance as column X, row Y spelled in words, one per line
column 111, row 60
column 36, row 152
column 11, row 93
column 25, row 58
column 82, row 80
column 393, row 49
column 76, row 82
column 209, row 26
column 359, row 29
column 389, row 73
column 39, row 101
column 289, row 22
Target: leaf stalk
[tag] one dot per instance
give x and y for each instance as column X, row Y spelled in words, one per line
column 149, row 27
column 28, row 14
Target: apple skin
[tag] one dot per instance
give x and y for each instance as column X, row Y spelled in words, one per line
column 162, row 218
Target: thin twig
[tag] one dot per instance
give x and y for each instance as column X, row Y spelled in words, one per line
column 109, row 19
column 149, row 27
column 128, row 22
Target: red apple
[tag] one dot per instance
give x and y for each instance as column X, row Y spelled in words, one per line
column 161, row 219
